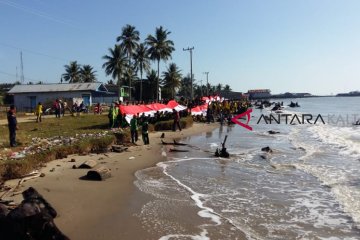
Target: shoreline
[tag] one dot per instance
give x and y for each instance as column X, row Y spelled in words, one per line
column 105, row 209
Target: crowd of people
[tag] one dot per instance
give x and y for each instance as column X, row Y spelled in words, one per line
column 117, row 119
column 220, row 111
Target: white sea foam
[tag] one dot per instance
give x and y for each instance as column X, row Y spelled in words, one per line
column 338, row 179
column 344, row 139
column 207, row 212
column 214, row 145
column 309, row 149
column 202, row 236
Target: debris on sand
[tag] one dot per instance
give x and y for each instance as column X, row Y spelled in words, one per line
column 32, row 219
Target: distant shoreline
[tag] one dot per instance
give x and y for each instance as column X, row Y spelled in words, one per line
column 280, row 97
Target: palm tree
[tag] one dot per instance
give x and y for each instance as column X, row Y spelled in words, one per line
column 219, row 88
column 153, row 81
column 110, row 82
column 115, row 63
column 142, row 62
column 87, row 74
column 172, row 78
column 129, row 76
column 227, row 88
column 185, row 89
column 160, row 48
column 129, row 42
column 72, row 72
column 199, row 90
column 212, row 89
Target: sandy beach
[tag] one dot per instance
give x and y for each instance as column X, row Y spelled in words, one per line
column 104, row 209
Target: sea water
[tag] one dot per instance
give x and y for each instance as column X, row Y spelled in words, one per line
column 307, row 188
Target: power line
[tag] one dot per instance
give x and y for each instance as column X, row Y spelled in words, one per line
column 36, row 12
column 14, row 75
column 34, row 52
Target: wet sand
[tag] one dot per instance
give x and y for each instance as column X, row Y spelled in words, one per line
column 106, row 209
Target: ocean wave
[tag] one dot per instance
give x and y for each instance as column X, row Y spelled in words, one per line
column 344, row 139
column 340, row 183
column 298, row 137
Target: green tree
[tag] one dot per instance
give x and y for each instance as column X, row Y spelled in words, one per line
column 199, row 90
column 129, row 39
column 110, row 82
column 212, row 89
column 129, row 76
column 115, row 64
column 227, row 88
column 142, row 62
column 219, row 87
column 153, row 80
column 185, row 86
column 72, row 72
column 172, row 79
column 160, row 48
column 87, row 74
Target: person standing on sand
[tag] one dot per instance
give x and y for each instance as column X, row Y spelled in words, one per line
column 111, row 116
column 39, row 111
column 133, row 129
column 176, row 117
column 64, row 108
column 145, row 131
column 12, row 123
column 57, row 108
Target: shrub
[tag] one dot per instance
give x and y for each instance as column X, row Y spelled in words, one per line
column 168, row 125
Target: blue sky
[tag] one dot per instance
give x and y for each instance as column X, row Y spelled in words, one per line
column 296, row 46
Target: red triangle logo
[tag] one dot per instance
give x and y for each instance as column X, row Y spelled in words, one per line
column 245, row 125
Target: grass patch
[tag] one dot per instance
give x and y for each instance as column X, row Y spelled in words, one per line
column 49, row 127
column 67, row 127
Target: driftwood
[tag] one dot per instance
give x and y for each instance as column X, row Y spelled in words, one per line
column 222, row 152
column 88, row 164
column 165, row 143
column 99, row 174
column 118, row 148
column 178, row 150
column 24, row 178
column 33, row 219
column 273, row 132
column 267, row 149
column 174, row 143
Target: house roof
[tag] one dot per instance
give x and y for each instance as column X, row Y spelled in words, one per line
column 58, row 87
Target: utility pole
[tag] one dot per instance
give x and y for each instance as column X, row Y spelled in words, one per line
column 22, row 78
column 191, row 75
column 201, row 88
column 207, row 83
